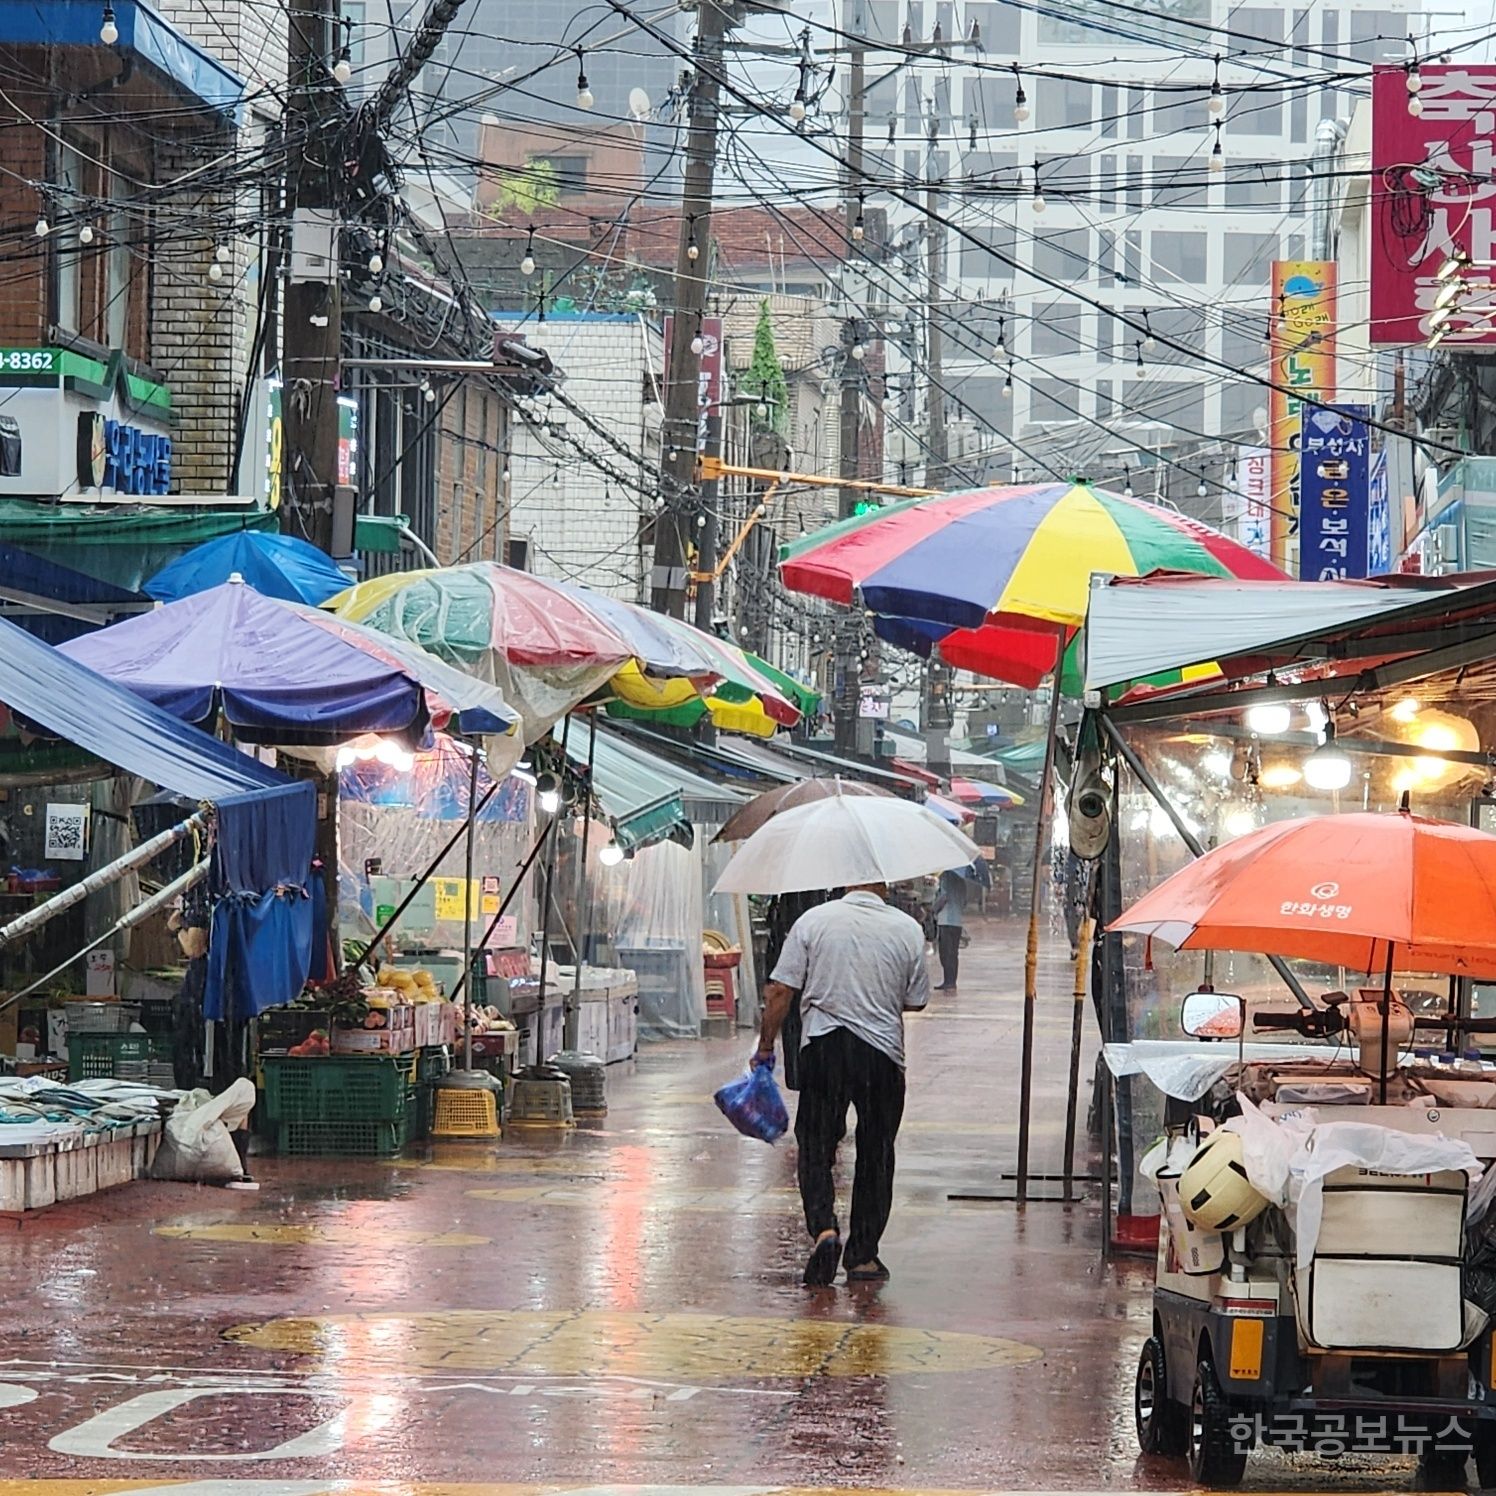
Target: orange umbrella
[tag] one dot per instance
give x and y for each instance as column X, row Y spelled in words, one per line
column 1337, row 889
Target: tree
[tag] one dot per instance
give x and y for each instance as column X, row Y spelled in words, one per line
column 533, row 185
column 765, row 379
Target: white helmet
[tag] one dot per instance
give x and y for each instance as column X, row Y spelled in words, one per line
column 1214, row 1191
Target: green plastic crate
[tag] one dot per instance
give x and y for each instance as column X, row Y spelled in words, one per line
column 95, row 1056
column 370, row 1139
column 334, row 1089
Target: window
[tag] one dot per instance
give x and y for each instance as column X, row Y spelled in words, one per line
column 982, row 394
column 913, row 107
column 1107, row 329
column 1240, row 402
column 1134, row 113
column 1177, row 325
column 1063, row 103
column 882, row 20
column 1109, row 194
column 1248, row 258
column 571, row 172
column 1179, row 258
column 1052, row 401
column 1255, row 24
column 1241, row 338
column 1177, row 182
column 1132, row 188
column 1298, row 118
column 73, row 179
column 1108, row 111
column 1254, row 184
column 1056, row 330
column 1378, row 36
column 1064, row 176
column 1106, row 258
column 124, row 236
column 984, row 260
column 1061, row 255
column 1132, row 257
column 1256, row 114
column 1093, row 20
column 999, row 27
column 996, row 169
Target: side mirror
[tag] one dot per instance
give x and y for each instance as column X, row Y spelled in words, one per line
column 1213, row 1015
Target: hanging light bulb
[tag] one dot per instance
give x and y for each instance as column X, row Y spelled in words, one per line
column 797, row 108
column 859, row 352
column 1415, row 105
column 893, row 129
column 223, row 254
column 376, row 303
column 43, row 228
column 1329, row 766
column 527, row 264
column 859, row 230
column 548, row 793
column 215, row 271
column 1126, row 483
column 698, row 342
column 1217, row 162
column 1216, row 104
column 109, row 31
column 86, row 234
column 1148, row 339
column 1020, row 99
column 1415, row 78
column 1269, row 719
column 342, row 69
column 1142, row 367
column 610, row 855
column 693, row 251
column 1008, row 381
column 584, row 91
column 430, row 395
column 1037, row 202
column 376, row 263
column 1202, row 488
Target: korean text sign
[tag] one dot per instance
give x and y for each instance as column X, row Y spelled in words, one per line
column 1334, row 487
column 1420, row 220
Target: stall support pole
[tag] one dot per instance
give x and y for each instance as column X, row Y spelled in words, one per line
column 1072, row 1095
column 508, row 899
column 467, row 910
column 1188, row 837
column 545, row 906
column 1386, row 1006
column 572, row 1032
column 1031, row 953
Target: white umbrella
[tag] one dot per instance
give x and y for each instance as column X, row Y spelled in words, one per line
column 843, row 840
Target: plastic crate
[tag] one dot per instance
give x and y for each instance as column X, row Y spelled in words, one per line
column 432, row 1062
column 370, row 1139
column 335, row 1089
column 101, row 1018
column 97, row 1056
column 465, row 1114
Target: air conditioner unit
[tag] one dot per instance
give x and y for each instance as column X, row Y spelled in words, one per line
column 1447, row 547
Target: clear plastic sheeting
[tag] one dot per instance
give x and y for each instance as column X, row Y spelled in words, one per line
column 1187, row 1069
column 730, row 913
column 393, row 819
column 660, row 916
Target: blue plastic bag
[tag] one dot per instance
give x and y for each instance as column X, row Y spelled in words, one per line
column 753, row 1104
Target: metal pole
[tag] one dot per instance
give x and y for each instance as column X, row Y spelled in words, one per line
column 508, row 899
column 1072, row 1097
column 1133, row 762
column 467, row 908
column 1031, row 953
column 1386, row 1007
column 545, row 907
column 572, row 1033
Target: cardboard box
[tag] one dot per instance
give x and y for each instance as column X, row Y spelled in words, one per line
column 398, row 1037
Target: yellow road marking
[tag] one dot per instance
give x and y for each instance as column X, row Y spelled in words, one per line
column 329, row 1235
column 590, row 1341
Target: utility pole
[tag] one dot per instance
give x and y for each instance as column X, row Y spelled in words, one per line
column 675, row 525
column 312, row 324
column 937, row 713
column 847, row 657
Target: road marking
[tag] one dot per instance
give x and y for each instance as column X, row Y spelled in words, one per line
column 328, row 1235
column 344, row 1486
column 584, row 1342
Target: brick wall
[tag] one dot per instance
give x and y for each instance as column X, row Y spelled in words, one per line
column 471, row 516
column 581, row 524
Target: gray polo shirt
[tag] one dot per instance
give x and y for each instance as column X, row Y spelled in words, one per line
column 857, row 964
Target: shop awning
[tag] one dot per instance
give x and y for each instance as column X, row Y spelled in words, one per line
column 379, row 533
column 143, row 35
column 915, row 773
column 820, row 765
column 54, row 602
column 1305, row 632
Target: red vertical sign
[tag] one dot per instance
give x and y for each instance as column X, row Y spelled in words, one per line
column 709, row 379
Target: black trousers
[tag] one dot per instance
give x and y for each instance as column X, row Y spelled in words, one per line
column 948, row 943
column 838, row 1070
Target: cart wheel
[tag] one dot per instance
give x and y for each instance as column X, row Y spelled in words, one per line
column 1160, row 1420
column 1217, row 1457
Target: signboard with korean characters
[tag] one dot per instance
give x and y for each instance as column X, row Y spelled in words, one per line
column 1433, row 152
column 1334, row 493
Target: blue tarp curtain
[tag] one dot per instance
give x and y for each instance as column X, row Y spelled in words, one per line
column 266, row 823
column 261, row 949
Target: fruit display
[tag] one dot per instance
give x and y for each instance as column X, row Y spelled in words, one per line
column 415, row 986
column 488, row 1020
column 315, row 1043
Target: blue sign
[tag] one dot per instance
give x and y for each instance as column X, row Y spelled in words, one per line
column 124, row 458
column 1379, row 519
column 1334, row 498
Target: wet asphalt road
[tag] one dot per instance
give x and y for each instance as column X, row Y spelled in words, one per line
column 615, row 1306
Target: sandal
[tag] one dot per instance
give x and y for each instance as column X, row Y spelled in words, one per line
column 873, row 1272
column 820, row 1269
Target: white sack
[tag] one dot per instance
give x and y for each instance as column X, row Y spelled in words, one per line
column 195, row 1144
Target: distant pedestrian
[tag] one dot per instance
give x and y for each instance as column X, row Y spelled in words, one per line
column 950, row 921
column 857, row 965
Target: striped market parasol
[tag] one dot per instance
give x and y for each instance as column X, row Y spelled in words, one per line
column 996, row 579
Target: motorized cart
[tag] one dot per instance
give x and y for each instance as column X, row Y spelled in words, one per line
column 1321, row 1279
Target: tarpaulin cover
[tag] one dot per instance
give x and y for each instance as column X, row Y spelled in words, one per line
column 70, row 701
column 261, row 946
column 274, row 565
column 25, row 575
column 276, row 677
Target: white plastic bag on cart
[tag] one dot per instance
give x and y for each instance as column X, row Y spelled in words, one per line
column 1268, row 1146
column 1363, row 1145
column 195, row 1143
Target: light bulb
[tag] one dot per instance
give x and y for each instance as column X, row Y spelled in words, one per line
column 376, row 303
column 86, row 234
column 858, row 232
column 1127, row 490
column 1217, row 161
column 1328, row 767
column 697, row 344
column 215, row 271
column 43, row 228
column 1201, row 489
column 584, row 96
column 859, row 352
column 1217, row 102
column 1269, row 719
column 797, row 109
column 1415, row 79
column 223, row 254
column 506, row 475
column 1415, row 105
column 693, row 252
column 376, row 263
column 109, row 32
column 430, row 395
column 701, row 521
column 610, row 855
column 342, row 70
column 1038, row 202
column 527, row 265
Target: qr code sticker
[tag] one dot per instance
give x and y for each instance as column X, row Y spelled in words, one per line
column 67, row 833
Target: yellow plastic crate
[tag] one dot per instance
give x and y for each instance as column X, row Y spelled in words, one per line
column 465, row 1114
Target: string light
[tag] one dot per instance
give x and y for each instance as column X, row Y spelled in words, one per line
column 1126, row 483
column 1201, row 487
column 698, row 342
column 108, row 31
column 1020, row 99
column 1217, row 161
column 584, row 93
column 971, row 133
column 1008, row 381
column 1415, row 105
column 86, row 234
column 43, row 228
column 376, row 303
column 376, row 263
column 693, row 250
column 1037, row 203
column 215, row 271
column 859, row 230
column 527, row 264
column 893, row 130
column 342, row 69
column 859, row 352
column 797, row 108
column 1149, row 342
column 1415, row 78
column 223, row 254
column 1142, row 367
column 1216, row 104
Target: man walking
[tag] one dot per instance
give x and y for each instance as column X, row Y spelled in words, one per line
column 950, row 919
column 858, row 965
